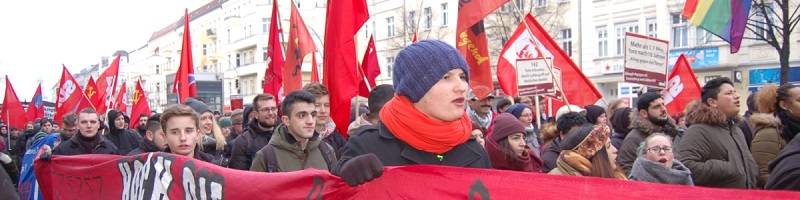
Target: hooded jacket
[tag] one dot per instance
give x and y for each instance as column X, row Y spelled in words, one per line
column 290, row 156
column 73, row 147
column 641, row 128
column 714, row 149
column 246, row 145
column 767, row 142
column 124, row 139
column 620, row 121
column 785, row 168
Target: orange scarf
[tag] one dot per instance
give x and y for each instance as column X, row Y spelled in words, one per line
column 415, row 128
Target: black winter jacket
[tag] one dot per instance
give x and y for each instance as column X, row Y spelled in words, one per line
column 124, row 139
column 73, row 147
column 246, row 145
column 786, row 168
column 392, row 151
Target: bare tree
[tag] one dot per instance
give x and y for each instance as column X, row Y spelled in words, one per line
column 774, row 25
column 405, row 32
column 502, row 23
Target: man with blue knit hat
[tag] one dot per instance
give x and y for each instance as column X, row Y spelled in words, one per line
column 425, row 123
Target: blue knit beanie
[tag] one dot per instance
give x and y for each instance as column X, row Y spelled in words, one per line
column 421, row 65
column 516, row 109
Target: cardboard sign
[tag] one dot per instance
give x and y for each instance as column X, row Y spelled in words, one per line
column 646, row 60
column 533, row 77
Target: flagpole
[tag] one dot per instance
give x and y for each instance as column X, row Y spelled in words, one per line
column 280, row 25
column 538, row 112
column 549, row 64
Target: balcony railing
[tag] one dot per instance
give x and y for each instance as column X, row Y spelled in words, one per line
column 211, row 33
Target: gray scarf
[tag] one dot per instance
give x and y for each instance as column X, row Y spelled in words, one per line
column 649, row 171
column 484, row 122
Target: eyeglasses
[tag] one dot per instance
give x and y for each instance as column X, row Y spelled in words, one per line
column 655, row 150
column 273, row 109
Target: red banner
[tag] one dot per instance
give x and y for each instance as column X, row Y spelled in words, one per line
column 369, row 68
column 299, row 45
column 682, row 86
column 151, row 176
column 184, row 84
column 36, row 106
column 12, row 112
column 106, row 86
column 121, row 104
column 70, row 97
column 273, row 76
column 140, row 105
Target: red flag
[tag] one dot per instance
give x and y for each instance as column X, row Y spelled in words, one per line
column 370, row 68
column 184, row 84
column 471, row 41
column 13, row 113
column 300, row 44
column 140, row 105
column 106, row 86
column 273, row 77
column 521, row 47
column 314, row 70
column 70, row 97
column 578, row 89
column 413, row 40
column 682, row 86
column 340, row 56
column 92, row 93
column 121, row 104
column 36, row 107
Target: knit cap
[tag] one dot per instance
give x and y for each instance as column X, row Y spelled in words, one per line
column 505, row 125
column 421, row 65
column 198, row 106
column 225, row 122
column 592, row 112
column 516, row 109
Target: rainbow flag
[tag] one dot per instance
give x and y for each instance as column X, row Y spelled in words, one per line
column 724, row 18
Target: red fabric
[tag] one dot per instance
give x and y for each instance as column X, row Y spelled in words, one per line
column 273, row 77
column 577, row 87
column 340, row 56
column 413, row 40
column 519, row 46
column 13, row 113
column 421, row 132
column 36, row 106
column 106, row 85
column 473, row 11
column 314, row 70
column 93, row 94
column 471, row 41
column 121, row 104
column 184, row 84
column 298, row 46
column 370, row 68
column 682, row 86
column 148, row 176
column 140, row 105
column 67, row 99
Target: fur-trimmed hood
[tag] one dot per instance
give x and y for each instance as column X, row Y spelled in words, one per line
column 765, row 120
column 701, row 113
column 645, row 126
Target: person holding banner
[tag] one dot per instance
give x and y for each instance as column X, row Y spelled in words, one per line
column 587, row 151
column 182, row 125
column 425, row 122
column 87, row 141
column 507, row 147
column 713, row 147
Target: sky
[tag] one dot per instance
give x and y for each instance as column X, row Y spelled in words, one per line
column 37, row 37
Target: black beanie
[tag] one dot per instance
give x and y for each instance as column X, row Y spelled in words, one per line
column 592, row 112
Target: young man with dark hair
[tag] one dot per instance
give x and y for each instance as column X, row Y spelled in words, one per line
column 155, row 140
column 565, row 123
column 650, row 116
column 257, row 133
column 181, row 126
column 69, row 127
column 87, row 141
column 324, row 124
column 295, row 145
column 713, row 147
column 377, row 97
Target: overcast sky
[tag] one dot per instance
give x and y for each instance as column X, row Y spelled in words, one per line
column 38, row 36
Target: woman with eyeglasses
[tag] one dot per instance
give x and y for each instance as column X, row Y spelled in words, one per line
column 656, row 163
column 587, row 151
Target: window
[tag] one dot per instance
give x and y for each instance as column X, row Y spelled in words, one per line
column 620, row 33
column 538, row 3
column 602, row 42
column 390, row 27
column 238, row 60
column 702, row 36
column 652, row 28
column 205, row 49
column 680, row 31
column 265, row 25
column 412, row 21
column 389, row 63
column 427, row 13
column 444, row 14
column 265, row 50
column 158, row 87
column 565, row 37
column 760, row 24
column 563, row 1
column 158, row 70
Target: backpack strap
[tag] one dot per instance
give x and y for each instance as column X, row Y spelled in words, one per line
column 270, row 158
column 326, row 151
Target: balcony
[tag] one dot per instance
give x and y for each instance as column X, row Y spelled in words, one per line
column 211, row 33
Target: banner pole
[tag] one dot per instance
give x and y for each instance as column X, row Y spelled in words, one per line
column 549, row 64
column 538, row 112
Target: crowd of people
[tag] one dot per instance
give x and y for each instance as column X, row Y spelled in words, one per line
column 430, row 116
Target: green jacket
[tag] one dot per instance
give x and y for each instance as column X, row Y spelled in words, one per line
column 290, row 156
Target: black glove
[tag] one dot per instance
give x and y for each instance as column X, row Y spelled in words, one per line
column 46, row 156
column 361, row 169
